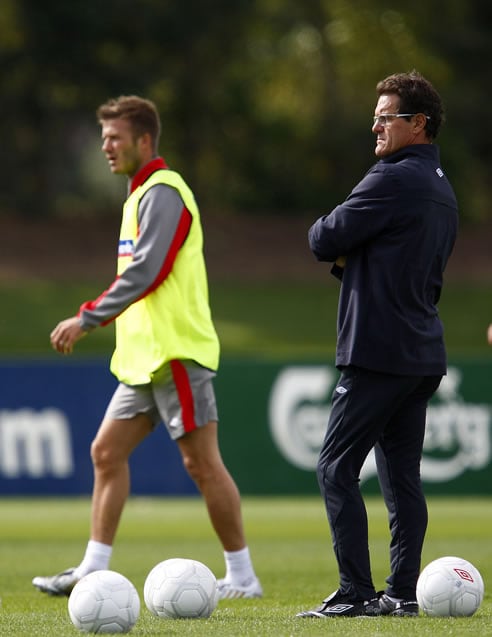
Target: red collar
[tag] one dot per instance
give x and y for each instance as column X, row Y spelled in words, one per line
column 144, row 173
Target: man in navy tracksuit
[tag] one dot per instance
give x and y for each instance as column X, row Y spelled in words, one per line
column 389, row 243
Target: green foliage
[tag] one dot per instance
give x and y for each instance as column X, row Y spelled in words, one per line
column 266, row 105
column 289, row 541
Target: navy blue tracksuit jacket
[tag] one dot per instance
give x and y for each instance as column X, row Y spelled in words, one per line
column 397, row 229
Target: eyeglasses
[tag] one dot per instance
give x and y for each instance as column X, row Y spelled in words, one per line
column 385, row 118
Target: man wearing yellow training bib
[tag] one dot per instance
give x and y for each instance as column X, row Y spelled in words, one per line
column 167, row 350
column 171, row 320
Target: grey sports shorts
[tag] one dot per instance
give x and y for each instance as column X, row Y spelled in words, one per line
column 181, row 395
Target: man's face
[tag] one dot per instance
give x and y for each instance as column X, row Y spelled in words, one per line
column 123, row 152
column 397, row 133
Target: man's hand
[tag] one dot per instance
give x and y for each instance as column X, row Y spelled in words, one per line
column 66, row 334
column 489, row 334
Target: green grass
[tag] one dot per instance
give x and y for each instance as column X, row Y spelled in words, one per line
column 289, row 541
column 282, row 320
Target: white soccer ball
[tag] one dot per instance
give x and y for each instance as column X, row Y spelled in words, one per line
column 181, row 588
column 450, row 587
column 104, row 602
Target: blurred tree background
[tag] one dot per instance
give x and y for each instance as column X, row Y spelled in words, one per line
column 266, row 104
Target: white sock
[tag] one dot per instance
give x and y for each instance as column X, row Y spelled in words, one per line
column 239, row 569
column 96, row 558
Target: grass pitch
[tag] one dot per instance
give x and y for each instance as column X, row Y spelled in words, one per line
column 289, row 541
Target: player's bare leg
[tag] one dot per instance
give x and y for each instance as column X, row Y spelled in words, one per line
column 203, row 461
column 110, row 450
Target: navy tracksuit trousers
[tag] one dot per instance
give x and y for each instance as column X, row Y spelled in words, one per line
column 385, row 411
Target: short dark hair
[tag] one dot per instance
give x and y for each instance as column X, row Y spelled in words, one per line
column 141, row 113
column 417, row 95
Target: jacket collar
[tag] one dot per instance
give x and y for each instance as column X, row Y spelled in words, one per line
column 424, row 151
column 144, row 173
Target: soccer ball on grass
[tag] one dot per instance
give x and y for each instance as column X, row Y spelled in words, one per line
column 181, row 588
column 450, row 587
column 104, row 602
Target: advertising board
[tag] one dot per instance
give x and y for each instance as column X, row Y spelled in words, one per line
column 273, row 417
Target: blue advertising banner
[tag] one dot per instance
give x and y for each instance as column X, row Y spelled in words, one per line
column 272, row 422
column 49, row 413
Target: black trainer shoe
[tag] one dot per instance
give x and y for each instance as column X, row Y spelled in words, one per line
column 402, row 608
column 338, row 605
